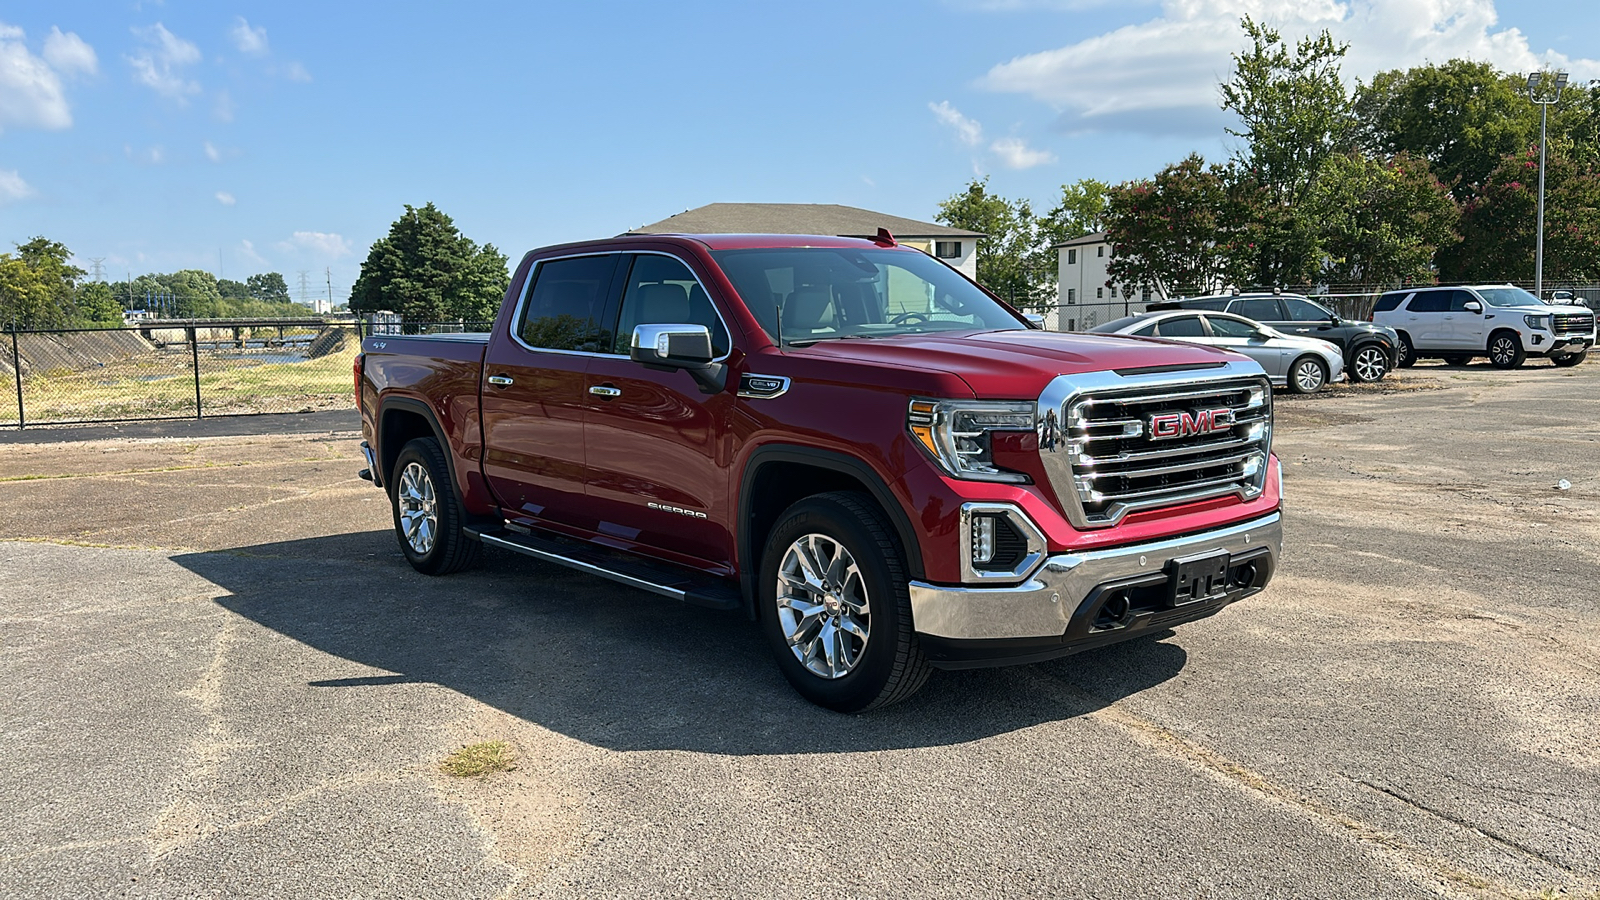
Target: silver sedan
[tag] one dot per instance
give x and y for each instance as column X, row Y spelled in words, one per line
column 1303, row 365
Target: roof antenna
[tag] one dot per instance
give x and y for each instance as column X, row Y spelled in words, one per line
column 885, row 238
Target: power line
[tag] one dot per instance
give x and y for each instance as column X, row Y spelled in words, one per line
column 305, row 275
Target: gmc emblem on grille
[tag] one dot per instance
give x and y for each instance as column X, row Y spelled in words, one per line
column 1190, row 424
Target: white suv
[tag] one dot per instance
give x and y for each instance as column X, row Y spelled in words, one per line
column 1503, row 322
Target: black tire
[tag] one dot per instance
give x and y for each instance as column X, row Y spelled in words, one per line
column 1457, row 359
column 421, row 468
column 1405, row 354
column 1569, row 359
column 1302, row 378
column 1370, row 362
column 1505, row 350
column 890, row 666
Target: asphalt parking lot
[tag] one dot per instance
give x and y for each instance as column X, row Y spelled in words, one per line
column 222, row 679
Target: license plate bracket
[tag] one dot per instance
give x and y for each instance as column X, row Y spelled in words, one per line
column 1197, row 578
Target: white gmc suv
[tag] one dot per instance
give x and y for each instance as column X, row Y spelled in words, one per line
column 1505, row 323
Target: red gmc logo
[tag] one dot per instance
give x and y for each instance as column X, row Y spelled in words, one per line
column 1185, row 424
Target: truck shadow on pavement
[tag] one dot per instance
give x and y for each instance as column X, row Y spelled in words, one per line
column 615, row 667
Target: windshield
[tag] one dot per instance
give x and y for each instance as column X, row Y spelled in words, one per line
column 827, row 293
column 1509, row 296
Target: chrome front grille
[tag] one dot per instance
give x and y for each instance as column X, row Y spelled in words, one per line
column 1111, row 449
column 1573, row 323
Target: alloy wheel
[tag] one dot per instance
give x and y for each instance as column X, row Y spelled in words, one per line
column 1308, row 377
column 1371, row 364
column 822, row 606
column 419, row 508
column 1502, row 351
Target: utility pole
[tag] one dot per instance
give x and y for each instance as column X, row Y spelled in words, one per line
column 1555, row 86
column 328, row 273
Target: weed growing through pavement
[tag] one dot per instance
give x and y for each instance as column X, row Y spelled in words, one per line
column 474, row 760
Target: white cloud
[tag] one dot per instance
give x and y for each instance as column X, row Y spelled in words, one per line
column 225, row 198
column 68, row 53
column 30, row 90
column 248, row 251
column 296, row 72
column 1016, row 153
column 158, row 64
column 149, row 156
column 212, row 153
column 1162, row 76
column 318, row 242
column 13, row 188
column 250, row 41
column 967, row 131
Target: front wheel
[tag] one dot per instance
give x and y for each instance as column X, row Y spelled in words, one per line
column 1405, row 355
column 427, row 518
column 1307, row 375
column 1370, row 363
column 1505, row 350
column 1569, row 359
column 835, row 605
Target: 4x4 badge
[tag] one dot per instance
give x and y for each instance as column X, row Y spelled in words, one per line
column 1190, row 424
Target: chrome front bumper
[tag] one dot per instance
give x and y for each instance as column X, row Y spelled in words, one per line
column 1063, row 594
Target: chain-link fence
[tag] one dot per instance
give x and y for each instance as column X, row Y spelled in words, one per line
column 184, row 370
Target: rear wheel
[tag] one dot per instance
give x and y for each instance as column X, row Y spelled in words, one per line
column 1405, row 354
column 1457, row 359
column 835, row 605
column 1307, row 375
column 427, row 518
column 1370, row 363
column 1505, row 350
column 1569, row 359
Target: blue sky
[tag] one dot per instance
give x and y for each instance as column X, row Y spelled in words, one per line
column 286, row 136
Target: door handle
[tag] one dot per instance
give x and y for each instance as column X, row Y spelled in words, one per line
column 603, row 390
column 500, row 380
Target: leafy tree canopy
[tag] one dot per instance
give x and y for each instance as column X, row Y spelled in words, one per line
column 1172, row 232
column 1014, row 259
column 428, row 271
column 1381, row 222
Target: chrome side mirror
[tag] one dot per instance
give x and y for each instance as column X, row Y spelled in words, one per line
column 1035, row 320
column 679, row 346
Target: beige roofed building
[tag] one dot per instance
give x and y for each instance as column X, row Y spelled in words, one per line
column 956, row 246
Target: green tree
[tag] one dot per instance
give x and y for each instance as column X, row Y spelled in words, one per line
column 1173, row 232
column 1293, row 105
column 1463, row 117
column 268, row 287
column 1012, row 257
column 230, row 290
column 1080, row 211
column 1498, row 224
column 1381, row 222
column 38, row 286
column 428, row 271
column 96, row 308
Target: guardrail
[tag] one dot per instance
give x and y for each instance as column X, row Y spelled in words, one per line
column 185, row 370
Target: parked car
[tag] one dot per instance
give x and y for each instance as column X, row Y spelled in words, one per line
column 1501, row 321
column 1303, row 365
column 1370, row 350
column 846, row 440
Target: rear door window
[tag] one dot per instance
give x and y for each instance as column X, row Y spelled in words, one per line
column 1181, row 326
column 1390, row 301
column 1224, row 327
column 1430, row 302
column 1261, row 309
column 566, row 308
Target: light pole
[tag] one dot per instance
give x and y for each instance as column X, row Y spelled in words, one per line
column 1555, row 86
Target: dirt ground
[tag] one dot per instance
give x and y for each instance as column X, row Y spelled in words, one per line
column 223, row 679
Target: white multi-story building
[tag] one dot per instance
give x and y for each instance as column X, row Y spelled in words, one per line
column 1087, row 298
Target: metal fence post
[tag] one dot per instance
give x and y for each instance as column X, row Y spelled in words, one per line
column 16, row 369
column 194, row 352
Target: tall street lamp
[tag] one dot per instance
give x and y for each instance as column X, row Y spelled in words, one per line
column 1543, row 92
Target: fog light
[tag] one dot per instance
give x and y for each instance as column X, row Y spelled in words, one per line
column 982, row 539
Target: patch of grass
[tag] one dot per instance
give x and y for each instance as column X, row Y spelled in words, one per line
column 475, row 760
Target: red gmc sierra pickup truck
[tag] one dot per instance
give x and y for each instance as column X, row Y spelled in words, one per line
column 846, row 439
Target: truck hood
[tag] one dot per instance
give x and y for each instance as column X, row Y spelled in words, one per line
column 1017, row 364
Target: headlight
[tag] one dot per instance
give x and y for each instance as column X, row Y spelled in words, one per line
column 1538, row 323
column 957, row 433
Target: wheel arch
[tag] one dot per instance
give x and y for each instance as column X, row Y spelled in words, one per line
column 777, row 475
